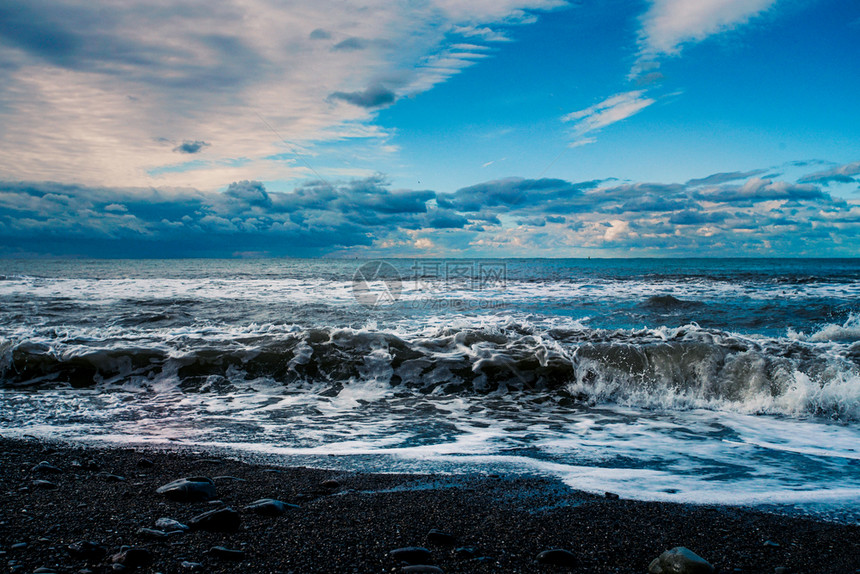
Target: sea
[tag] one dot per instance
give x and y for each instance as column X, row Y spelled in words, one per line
column 714, row 381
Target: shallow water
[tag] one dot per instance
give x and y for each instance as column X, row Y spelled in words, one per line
column 731, row 381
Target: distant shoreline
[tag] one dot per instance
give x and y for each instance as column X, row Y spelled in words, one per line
column 349, row 522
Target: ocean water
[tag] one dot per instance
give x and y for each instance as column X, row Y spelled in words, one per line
column 709, row 380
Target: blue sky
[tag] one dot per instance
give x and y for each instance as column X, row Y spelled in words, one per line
column 435, row 128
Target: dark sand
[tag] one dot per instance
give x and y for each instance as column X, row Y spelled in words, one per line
column 352, row 527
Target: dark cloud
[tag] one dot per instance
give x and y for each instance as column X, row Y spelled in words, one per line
column 351, row 44
column 189, row 146
column 726, row 177
column 319, row 34
column 841, row 174
column 758, row 190
column 373, row 97
column 445, row 219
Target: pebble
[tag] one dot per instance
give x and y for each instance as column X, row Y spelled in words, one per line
column 771, row 544
column 44, row 570
column 441, row 538
column 192, row 489
column 45, row 484
column 45, row 467
column 331, row 484
column 412, row 555
column 87, row 550
column 170, row 525
column 270, row 507
column 557, row 557
column 465, row 552
column 680, row 560
column 18, row 546
column 227, row 553
column 152, row 534
column 187, row 565
column 611, row 496
column 112, row 477
column 220, row 520
column 145, row 463
column 133, row 558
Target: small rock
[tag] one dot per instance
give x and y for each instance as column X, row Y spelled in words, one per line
column 219, row 520
column 331, row 484
column 145, row 463
column 269, row 507
column 44, row 570
column 87, row 550
column 441, row 538
column 465, row 552
column 170, row 525
column 193, row 489
column 18, row 546
column 412, row 555
column 112, row 477
column 152, row 534
column 224, row 553
column 45, row 484
column 557, row 557
column 422, row 569
column 133, row 558
column 611, row 496
column 192, row 566
column 45, row 467
column 680, row 560
column 771, row 544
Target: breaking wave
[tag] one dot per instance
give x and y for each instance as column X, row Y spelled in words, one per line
column 665, row 368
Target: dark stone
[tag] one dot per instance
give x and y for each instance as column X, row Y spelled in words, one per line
column 412, row 555
column 45, row 484
column 152, row 534
column 771, row 544
column 422, row 569
column 18, row 546
column 45, row 467
column 170, row 525
column 611, row 496
column 87, row 550
column 44, row 570
column 133, row 558
column 465, row 552
column 145, row 463
column 192, row 489
column 680, row 560
column 223, row 553
column 557, row 557
column 192, row 566
column 232, row 478
column 331, row 484
column 112, row 477
column 441, row 538
column 219, row 520
column 269, row 507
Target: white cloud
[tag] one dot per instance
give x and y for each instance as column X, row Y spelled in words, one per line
column 668, row 24
column 106, row 101
column 609, row 111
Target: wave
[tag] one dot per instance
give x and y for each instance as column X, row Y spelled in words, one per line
column 666, row 368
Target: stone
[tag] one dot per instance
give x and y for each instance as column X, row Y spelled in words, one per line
column 45, row 484
column 152, row 534
column 18, row 546
column 557, row 557
column 412, row 555
column 219, row 520
column 224, row 553
column 680, row 560
column 465, row 552
column 87, row 550
column 44, row 570
column 45, row 467
column 145, row 463
column 192, row 489
column 108, row 477
column 270, row 507
column 192, row 566
column 170, row 525
column 133, row 558
column 441, row 538
column 610, row 496
column 331, row 484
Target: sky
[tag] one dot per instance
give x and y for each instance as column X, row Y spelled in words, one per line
column 429, row 128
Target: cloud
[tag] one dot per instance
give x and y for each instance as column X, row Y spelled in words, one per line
column 114, row 82
column 840, row 174
column 669, row 24
column 189, row 146
column 609, row 111
column 373, row 97
column 725, row 177
column 366, row 217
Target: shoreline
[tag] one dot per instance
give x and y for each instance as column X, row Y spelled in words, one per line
column 350, row 522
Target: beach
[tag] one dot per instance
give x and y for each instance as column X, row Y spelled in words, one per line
column 351, row 522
